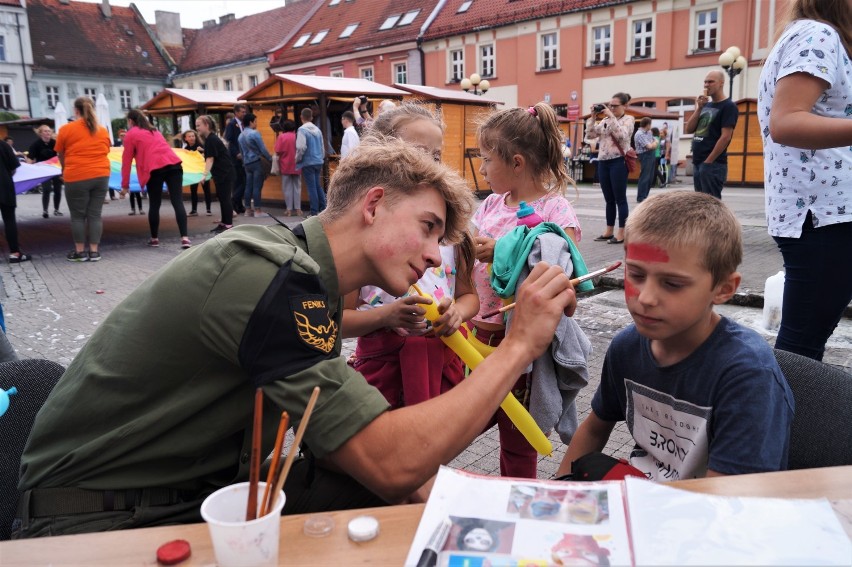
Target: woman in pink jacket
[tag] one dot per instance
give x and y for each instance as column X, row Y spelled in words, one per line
column 291, row 178
column 156, row 164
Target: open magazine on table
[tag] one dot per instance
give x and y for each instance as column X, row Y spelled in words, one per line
column 503, row 522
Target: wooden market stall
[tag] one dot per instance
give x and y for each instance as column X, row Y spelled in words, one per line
column 330, row 97
column 462, row 113
column 745, row 152
column 170, row 104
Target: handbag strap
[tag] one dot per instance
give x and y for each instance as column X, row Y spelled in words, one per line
column 617, row 145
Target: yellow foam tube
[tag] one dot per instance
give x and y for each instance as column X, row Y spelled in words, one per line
column 513, row 408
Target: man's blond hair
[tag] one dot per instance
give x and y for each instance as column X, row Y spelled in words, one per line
column 402, row 170
column 697, row 220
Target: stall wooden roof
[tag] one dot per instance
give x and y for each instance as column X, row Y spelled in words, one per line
column 169, row 101
column 446, row 95
column 281, row 87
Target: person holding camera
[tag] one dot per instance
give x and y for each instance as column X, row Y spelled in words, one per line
column 613, row 133
column 363, row 118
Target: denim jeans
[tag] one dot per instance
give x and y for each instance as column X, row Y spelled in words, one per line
column 648, row 163
column 613, row 175
column 817, row 286
column 316, row 195
column 254, row 183
column 709, row 178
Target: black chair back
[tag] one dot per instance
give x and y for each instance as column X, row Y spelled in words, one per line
column 33, row 379
column 821, row 434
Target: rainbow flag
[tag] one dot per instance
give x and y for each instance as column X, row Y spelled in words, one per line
column 193, row 168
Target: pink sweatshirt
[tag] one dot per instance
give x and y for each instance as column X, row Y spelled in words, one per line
column 151, row 152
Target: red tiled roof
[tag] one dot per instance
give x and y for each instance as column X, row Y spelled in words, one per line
column 77, row 38
column 245, row 38
column 368, row 15
column 178, row 52
column 484, row 14
column 11, row 3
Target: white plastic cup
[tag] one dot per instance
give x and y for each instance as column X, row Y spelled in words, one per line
column 237, row 542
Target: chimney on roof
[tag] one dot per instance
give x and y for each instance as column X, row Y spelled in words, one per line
column 208, row 24
column 106, row 9
column 226, row 18
column 169, row 31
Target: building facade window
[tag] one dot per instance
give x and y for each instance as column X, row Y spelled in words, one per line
column 252, row 81
column 706, row 30
column 643, row 38
column 456, row 65
column 2, row 47
column 601, row 44
column 486, row 60
column 549, row 50
column 5, row 97
column 400, row 73
column 367, row 73
column 52, row 93
column 90, row 92
column 348, row 30
column 228, row 84
column 202, row 86
column 125, row 98
column 338, row 73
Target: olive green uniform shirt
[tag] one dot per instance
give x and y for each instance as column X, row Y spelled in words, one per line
column 253, row 307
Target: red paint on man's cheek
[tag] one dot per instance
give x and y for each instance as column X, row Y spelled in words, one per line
column 646, row 253
column 629, row 290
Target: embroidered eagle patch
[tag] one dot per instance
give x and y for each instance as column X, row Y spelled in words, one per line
column 315, row 326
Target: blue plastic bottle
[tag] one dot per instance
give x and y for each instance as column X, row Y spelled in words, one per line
column 527, row 216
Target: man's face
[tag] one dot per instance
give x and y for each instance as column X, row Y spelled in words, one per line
column 404, row 239
column 240, row 113
column 712, row 83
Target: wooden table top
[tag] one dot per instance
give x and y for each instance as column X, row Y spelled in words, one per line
column 397, row 527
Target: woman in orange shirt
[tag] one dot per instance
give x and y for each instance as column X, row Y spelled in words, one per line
column 82, row 147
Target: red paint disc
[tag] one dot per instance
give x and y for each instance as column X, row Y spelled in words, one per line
column 174, row 552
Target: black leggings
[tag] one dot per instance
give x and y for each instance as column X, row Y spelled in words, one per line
column 172, row 176
column 224, row 186
column 54, row 185
column 136, row 199
column 193, row 195
column 10, row 225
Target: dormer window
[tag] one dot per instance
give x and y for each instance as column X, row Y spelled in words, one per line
column 319, row 37
column 302, row 40
column 464, row 7
column 390, row 22
column 350, row 29
column 408, row 18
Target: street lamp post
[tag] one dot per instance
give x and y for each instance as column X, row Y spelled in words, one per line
column 479, row 85
column 733, row 63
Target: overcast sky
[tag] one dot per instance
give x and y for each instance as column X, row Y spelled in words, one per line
column 194, row 12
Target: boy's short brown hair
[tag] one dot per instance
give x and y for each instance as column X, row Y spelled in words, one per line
column 687, row 218
column 402, row 170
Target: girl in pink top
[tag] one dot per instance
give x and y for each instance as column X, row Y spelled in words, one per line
column 156, row 164
column 291, row 178
column 521, row 151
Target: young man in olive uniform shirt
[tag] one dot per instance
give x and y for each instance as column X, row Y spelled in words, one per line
column 126, row 443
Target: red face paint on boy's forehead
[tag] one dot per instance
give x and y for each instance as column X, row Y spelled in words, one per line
column 646, row 253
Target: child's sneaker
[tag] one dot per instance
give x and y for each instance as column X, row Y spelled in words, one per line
column 94, row 256
column 131, row 213
column 75, row 256
column 185, row 242
column 153, row 242
column 192, row 214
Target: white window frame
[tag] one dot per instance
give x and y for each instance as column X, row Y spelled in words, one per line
column 334, row 2
column 52, row 97
column 408, row 17
column 487, row 61
column 320, row 35
column 337, row 73
column 400, row 72
column 645, row 34
column 203, row 86
column 303, row 39
column 455, row 65
column 125, row 97
column 2, row 48
column 696, row 28
column 348, row 30
column 6, row 95
column 465, row 6
column 367, row 73
column 390, row 22
column 227, row 84
column 253, row 81
column 597, row 43
column 548, row 55
column 91, row 92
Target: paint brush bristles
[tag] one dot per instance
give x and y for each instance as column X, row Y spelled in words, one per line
column 574, row 283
